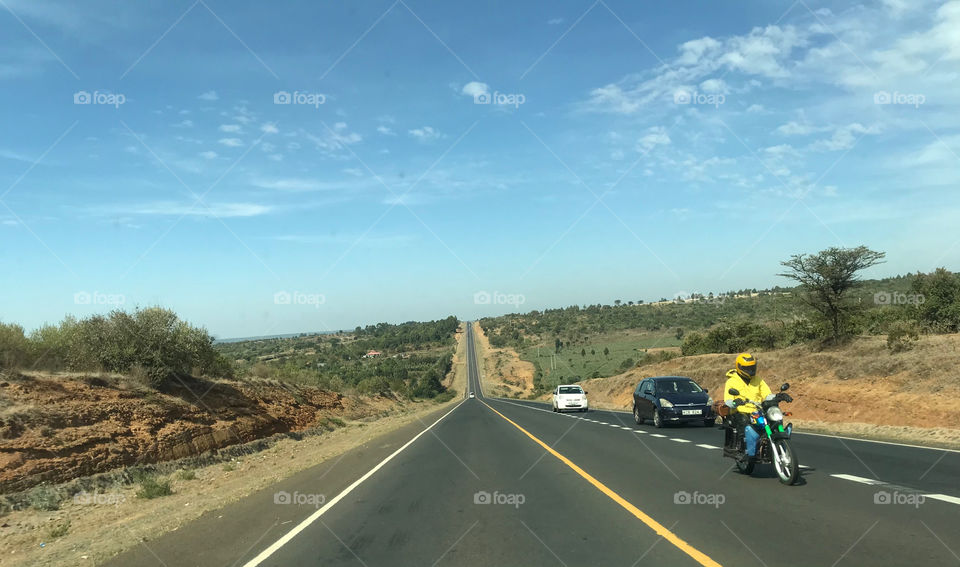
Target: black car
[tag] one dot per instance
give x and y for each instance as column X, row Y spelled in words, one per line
column 672, row 399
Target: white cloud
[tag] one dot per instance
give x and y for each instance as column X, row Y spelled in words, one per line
column 425, row 134
column 231, row 128
column 231, row 142
column 794, row 128
column 353, row 171
column 755, row 109
column 209, row 96
column 208, row 155
column 554, row 21
column 656, row 136
column 269, row 128
column 222, row 210
column 844, row 137
column 184, row 124
column 475, row 89
column 385, row 130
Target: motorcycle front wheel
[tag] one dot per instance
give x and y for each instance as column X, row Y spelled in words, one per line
column 788, row 469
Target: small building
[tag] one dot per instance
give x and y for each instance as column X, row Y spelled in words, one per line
column 373, row 354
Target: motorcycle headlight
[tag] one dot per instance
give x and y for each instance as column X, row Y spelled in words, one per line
column 775, row 414
column 664, row 403
column 709, row 400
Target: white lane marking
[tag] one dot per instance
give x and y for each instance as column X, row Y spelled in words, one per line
column 625, row 427
column 679, row 440
column 877, row 441
column 860, row 479
column 656, row 435
column 705, row 446
column 639, row 431
column 330, row 504
column 944, row 497
column 803, row 466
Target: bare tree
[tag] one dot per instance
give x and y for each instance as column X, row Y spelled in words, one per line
column 826, row 277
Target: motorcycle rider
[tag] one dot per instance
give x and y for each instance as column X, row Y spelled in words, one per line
column 752, row 388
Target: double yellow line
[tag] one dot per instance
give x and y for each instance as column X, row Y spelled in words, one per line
column 656, row 526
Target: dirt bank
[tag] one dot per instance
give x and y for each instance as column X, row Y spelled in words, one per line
column 504, row 374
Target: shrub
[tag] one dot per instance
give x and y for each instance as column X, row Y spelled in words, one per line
column 151, row 487
column 187, row 474
column 44, row 499
column 939, row 310
column 59, row 530
column 902, row 335
column 14, row 347
column 626, row 365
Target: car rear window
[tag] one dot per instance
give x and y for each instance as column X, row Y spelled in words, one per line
column 678, row 387
column 571, row 390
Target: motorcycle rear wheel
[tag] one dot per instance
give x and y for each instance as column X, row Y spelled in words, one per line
column 788, row 469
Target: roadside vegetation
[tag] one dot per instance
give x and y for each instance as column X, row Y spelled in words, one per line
column 830, row 306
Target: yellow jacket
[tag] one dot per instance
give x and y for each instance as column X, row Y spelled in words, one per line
column 755, row 390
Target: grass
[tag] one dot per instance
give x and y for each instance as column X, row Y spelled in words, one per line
column 187, row 474
column 151, row 488
column 571, row 366
column 44, row 499
column 229, row 467
column 59, row 530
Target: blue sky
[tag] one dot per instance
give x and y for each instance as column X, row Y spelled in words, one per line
column 547, row 155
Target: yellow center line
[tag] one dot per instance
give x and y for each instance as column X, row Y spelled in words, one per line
column 656, row 526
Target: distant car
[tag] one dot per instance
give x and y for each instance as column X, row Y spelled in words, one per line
column 471, row 395
column 569, row 397
column 672, row 399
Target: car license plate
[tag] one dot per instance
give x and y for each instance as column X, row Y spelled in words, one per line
column 691, row 412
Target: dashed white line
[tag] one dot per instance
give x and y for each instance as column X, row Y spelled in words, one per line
column 859, row 479
column 705, row 446
column 639, row 431
column 656, row 435
column 625, row 427
column 679, row 440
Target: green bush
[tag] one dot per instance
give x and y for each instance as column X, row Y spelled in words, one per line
column 731, row 338
column 902, row 335
column 14, row 347
column 154, row 341
column 151, row 487
column 939, row 308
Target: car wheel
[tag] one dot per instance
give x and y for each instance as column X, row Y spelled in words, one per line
column 657, row 420
column 636, row 415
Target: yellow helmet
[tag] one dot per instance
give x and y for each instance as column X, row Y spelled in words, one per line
column 746, row 366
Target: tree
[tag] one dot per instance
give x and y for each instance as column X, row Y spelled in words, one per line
column 606, row 351
column 937, row 297
column 583, row 352
column 679, row 333
column 617, row 302
column 826, row 277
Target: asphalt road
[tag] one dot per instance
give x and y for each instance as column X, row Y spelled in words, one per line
column 503, row 482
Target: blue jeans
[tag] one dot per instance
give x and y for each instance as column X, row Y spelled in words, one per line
column 752, row 437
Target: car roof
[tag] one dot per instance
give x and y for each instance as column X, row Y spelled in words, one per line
column 569, row 386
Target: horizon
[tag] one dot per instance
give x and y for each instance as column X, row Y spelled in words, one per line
column 414, row 161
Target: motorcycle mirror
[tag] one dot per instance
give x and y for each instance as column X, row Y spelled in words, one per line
column 785, row 387
column 705, row 390
column 733, row 392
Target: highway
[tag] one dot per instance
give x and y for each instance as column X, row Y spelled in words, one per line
column 497, row 482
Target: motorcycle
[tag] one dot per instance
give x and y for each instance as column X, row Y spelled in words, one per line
column 773, row 446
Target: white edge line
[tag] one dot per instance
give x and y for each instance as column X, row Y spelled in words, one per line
column 316, row 515
column 943, row 497
column 860, row 479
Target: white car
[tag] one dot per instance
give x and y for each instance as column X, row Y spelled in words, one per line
column 569, row 397
column 471, row 395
